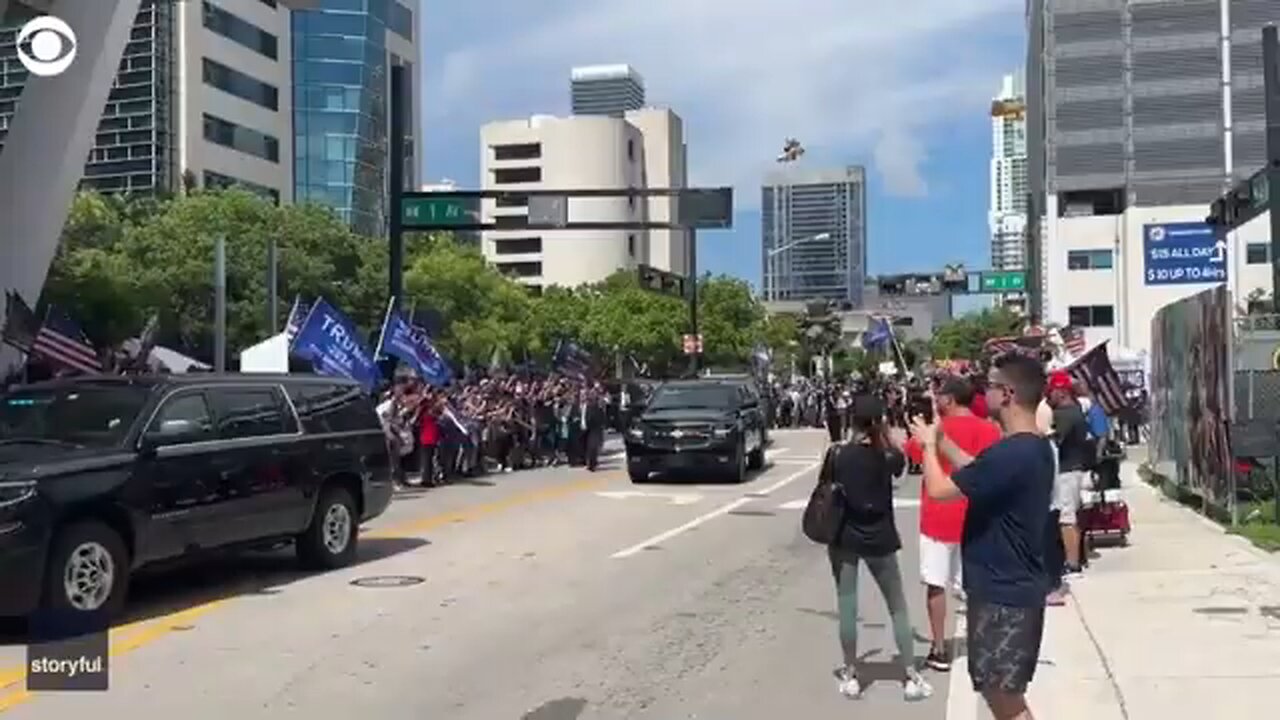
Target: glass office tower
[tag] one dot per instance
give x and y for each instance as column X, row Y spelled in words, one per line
column 340, row 85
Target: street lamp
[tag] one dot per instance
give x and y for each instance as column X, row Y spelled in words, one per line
column 775, row 252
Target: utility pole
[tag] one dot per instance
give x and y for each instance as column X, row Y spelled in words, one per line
column 273, row 286
column 220, row 304
column 696, row 355
column 395, row 181
column 1271, row 75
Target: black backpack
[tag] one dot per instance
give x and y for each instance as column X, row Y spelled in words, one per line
column 824, row 515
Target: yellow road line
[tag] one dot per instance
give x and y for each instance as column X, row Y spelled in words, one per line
column 130, row 637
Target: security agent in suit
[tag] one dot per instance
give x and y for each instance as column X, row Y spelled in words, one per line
column 591, row 421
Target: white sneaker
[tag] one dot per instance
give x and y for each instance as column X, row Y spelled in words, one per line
column 916, row 688
column 849, row 685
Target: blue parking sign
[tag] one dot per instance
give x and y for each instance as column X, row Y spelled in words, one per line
column 1183, row 253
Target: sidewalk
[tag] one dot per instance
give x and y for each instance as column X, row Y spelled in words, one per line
column 1183, row 623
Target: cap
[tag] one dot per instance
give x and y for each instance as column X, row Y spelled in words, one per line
column 1060, row 380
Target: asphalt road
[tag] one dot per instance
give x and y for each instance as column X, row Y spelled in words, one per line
column 549, row 595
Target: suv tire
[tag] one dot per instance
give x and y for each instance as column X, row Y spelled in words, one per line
column 93, row 557
column 638, row 476
column 739, row 469
column 330, row 541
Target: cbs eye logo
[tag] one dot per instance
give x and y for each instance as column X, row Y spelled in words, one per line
column 46, row 46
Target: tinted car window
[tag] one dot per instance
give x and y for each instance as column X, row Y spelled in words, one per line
column 249, row 412
column 695, row 396
column 94, row 415
column 186, row 414
column 333, row 408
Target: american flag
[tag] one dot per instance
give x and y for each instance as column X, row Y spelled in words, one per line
column 297, row 316
column 1095, row 371
column 62, row 342
column 1022, row 344
column 1073, row 339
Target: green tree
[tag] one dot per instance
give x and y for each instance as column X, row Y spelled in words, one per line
column 730, row 319
column 962, row 338
column 483, row 311
column 624, row 318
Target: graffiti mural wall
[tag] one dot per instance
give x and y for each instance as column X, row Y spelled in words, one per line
column 1190, row 406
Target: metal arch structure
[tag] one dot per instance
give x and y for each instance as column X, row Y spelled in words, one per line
column 49, row 139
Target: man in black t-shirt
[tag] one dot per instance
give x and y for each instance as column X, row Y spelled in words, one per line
column 1008, row 487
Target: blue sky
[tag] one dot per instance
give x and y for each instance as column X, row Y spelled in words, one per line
column 902, row 88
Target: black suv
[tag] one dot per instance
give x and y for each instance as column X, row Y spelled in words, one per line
column 101, row 476
column 697, row 424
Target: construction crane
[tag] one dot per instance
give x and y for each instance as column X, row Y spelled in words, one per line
column 1013, row 108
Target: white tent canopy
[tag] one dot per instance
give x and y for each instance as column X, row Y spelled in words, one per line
column 269, row 356
column 165, row 359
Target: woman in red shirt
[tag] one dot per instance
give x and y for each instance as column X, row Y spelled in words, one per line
column 428, row 439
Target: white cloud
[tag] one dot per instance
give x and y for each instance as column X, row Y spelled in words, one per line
column 853, row 79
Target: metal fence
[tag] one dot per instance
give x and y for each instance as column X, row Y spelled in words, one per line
column 1191, row 401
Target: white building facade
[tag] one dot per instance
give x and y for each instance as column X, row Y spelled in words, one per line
column 1007, row 215
column 645, row 148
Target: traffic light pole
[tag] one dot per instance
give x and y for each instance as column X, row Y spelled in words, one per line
column 395, row 182
column 1271, row 75
column 696, row 355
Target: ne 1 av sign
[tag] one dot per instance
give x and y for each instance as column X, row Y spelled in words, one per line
column 1184, row 253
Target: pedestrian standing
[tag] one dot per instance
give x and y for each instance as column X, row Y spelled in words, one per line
column 865, row 468
column 1008, row 487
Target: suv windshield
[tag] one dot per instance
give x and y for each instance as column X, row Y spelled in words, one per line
column 695, row 396
column 86, row 415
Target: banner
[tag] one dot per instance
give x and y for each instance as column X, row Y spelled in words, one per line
column 571, row 360
column 331, row 342
column 411, row 345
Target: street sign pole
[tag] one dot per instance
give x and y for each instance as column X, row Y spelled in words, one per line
column 1271, row 75
column 395, row 225
column 693, row 299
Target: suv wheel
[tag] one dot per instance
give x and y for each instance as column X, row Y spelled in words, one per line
column 740, row 463
column 331, row 539
column 88, row 572
column 755, row 460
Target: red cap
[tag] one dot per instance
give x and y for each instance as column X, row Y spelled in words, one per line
column 1060, row 380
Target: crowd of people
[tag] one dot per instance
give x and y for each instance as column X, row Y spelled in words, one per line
column 1005, row 457
column 502, row 424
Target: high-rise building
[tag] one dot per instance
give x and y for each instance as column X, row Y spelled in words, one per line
column 342, row 54
column 645, row 148
column 606, row 90
column 1007, row 216
column 201, row 91
column 1132, row 128
column 814, row 235
column 1009, row 187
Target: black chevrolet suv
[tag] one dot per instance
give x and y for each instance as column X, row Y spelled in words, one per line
column 102, row 476
column 697, row 424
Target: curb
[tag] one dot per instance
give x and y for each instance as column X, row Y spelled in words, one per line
column 1270, row 560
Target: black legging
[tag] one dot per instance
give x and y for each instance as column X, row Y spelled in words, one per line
column 835, row 427
column 1055, row 556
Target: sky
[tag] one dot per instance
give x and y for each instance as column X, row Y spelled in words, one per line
column 902, row 88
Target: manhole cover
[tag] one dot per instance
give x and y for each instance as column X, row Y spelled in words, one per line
column 385, row 581
column 1221, row 610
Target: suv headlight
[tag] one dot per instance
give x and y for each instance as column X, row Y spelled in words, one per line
column 16, row 493
column 635, row 433
column 725, row 430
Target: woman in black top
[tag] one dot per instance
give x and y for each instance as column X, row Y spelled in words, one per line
column 865, row 467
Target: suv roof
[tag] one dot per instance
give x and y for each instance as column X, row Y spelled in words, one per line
column 153, row 380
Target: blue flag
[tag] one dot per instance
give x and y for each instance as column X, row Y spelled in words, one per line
column 878, row 334
column 331, row 342
column 571, row 360
column 410, row 344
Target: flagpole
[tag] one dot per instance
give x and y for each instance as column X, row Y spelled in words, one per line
column 293, row 309
column 293, row 341
column 382, row 333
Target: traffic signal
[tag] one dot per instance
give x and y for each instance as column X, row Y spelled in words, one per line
column 660, row 281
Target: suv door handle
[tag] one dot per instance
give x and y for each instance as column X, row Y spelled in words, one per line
column 333, row 445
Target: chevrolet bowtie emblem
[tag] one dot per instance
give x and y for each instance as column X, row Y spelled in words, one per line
column 677, row 433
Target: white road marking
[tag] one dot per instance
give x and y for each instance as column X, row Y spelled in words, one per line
column 701, row 519
column 775, row 453
column 673, row 498
column 897, row 503
column 784, row 481
column 962, row 701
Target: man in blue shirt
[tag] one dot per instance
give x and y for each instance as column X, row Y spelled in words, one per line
column 1009, row 486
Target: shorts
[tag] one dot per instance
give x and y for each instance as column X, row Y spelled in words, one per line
column 1066, row 495
column 1004, row 646
column 940, row 563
